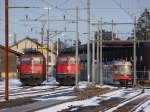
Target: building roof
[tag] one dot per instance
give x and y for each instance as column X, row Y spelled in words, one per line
column 106, row 43
column 28, row 38
column 12, row 51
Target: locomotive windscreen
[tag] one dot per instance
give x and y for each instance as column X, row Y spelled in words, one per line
column 26, row 61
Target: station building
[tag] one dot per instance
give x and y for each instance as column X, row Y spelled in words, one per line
column 12, row 63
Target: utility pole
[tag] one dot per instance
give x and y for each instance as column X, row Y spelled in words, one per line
column 6, row 50
column 93, row 61
column 101, row 55
column 42, row 34
column 47, row 47
column 134, row 54
column 98, row 39
column 112, row 36
column 88, row 42
column 58, row 46
column 77, row 39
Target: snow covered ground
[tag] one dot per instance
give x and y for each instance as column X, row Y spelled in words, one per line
column 60, row 95
column 145, row 107
column 122, row 93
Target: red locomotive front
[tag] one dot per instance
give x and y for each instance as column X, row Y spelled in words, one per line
column 65, row 70
column 32, row 68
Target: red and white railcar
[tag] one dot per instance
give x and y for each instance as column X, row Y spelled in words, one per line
column 122, row 71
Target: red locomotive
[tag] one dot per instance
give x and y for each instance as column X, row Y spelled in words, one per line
column 32, row 67
column 65, row 70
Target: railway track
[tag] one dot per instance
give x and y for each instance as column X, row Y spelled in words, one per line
column 32, row 93
column 110, row 104
column 142, row 102
column 15, row 90
column 121, row 103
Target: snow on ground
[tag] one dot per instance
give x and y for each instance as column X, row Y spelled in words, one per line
column 146, row 106
column 92, row 101
column 56, row 98
column 13, row 84
column 88, row 102
column 36, row 93
column 106, row 86
column 122, row 93
column 51, row 81
column 83, row 84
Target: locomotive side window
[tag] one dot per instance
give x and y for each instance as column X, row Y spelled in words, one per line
column 36, row 60
column 26, row 61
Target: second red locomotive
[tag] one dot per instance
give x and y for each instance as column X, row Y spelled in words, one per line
column 32, row 67
column 65, row 70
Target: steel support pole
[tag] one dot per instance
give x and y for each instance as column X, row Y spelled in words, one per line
column 57, row 47
column 93, row 61
column 112, row 36
column 47, row 56
column 48, row 48
column 76, row 55
column 134, row 55
column 6, row 50
column 101, row 55
column 98, row 39
column 88, row 42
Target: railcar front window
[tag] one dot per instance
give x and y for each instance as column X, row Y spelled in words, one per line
column 26, row 61
column 36, row 61
column 123, row 70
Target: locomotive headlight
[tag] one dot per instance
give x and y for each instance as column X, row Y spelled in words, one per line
column 69, row 68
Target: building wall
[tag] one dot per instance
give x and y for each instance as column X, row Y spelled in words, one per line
column 23, row 45
column 11, row 64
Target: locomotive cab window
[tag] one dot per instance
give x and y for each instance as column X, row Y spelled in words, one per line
column 62, row 60
column 26, row 61
column 36, row 60
column 72, row 61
